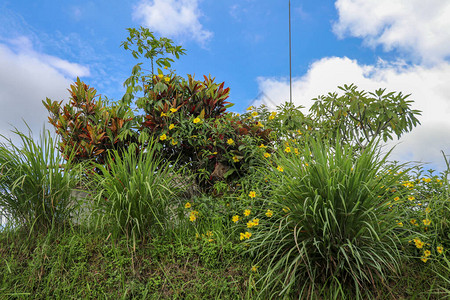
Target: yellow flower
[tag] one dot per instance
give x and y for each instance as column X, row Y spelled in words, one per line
column 286, row 209
column 400, row 224
column 424, row 259
column 174, row 142
column 163, row 137
column 413, row 221
column 262, row 146
column 269, row 213
column 427, row 210
column 440, row 249
column 426, row 222
column 171, row 126
column 254, row 114
column 411, row 198
column 196, row 120
column 245, row 235
column 426, row 253
column 254, row 268
column 160, row 75
column 396, row 198
column 419, row 243
column 287, row 150
column 252, row 194
column 209, row 233
column 235, row 159
column 296, row 151
column 173, row 110
column 271, row 117
column 250, row 108
column 166, row 67
column 167, row 79
column 230, row 142
column 299, row 132
column 235, row 218
column 280, row 168
column 426, row 179
column 187, row 205
column 247, row 212
column 259, row 124
column 266, row 155
column 193, row 215
column 163, row 114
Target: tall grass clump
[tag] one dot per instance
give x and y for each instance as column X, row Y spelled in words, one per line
column 35, row 182
column 136, row 191
column 332, row 229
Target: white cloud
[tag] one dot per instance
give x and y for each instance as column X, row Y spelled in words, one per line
column 428, row 87
column 27, row 78
column 416, row 27
column 172, row 18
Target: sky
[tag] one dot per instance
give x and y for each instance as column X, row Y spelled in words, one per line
column 400, row 45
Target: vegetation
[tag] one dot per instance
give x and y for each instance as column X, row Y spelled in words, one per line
column 186, row 200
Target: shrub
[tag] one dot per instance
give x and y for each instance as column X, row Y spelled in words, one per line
column 190, row 122
column 90, row 126
column 330, row 225
column 136, row 191
column 36, row 182
column 423, row 209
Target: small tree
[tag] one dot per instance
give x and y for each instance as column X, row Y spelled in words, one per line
column 359, row 117
column 142, row 42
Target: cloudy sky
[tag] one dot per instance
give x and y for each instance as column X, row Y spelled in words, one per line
column 400, row 45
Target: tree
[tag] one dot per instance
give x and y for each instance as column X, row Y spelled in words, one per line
column 359, row 117
column 142, row 42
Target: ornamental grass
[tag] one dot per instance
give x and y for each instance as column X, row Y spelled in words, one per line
column 332, row 230
column 36, row 182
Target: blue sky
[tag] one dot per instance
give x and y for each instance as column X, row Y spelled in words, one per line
column 398, row 45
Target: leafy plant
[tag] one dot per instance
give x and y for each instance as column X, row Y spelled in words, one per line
column 331, row 227
column 90, row 126
column 190, row 120
column 36, row 182
column 146, row 44
column 136, row 191
column 358, row 118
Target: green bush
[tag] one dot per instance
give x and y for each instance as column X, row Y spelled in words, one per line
column 421, row 203
column 91, row 125
column 36, row 182
column 136, row 192
column 329, row 226
column 190, row 122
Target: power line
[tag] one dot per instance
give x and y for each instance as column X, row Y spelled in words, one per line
column 290, row 56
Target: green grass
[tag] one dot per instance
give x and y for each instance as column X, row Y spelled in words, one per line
column 78, row 264
column 36, row 182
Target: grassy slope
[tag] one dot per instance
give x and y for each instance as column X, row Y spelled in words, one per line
column 77, row 264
